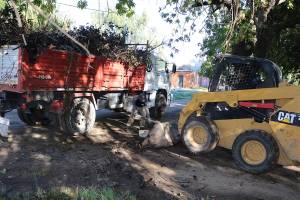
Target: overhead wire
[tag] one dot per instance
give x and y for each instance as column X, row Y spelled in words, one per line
column 92, row 9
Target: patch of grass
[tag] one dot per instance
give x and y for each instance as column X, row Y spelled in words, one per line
column 183, row 94
column 89, row 193
column 201, row 88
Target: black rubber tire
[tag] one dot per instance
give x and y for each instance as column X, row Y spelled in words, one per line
column 118, row 110
column 160, row 106
column 20, row 114
column 61, row 122
column 211, row 131
column 39, row 116
column 80, row 117
column 26, row 117
column 269, row 144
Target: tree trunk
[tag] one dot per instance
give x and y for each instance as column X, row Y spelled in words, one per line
column 263, row 35
column 264, row 42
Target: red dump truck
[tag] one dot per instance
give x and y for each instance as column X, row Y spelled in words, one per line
column 69, row 87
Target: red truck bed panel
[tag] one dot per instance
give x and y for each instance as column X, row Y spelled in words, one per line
column 57, row 70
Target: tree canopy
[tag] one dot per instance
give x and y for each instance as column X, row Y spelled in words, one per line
column 266, row 29
column 263, row 28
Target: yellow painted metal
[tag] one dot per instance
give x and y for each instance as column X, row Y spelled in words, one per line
column 200, row 135
column 253, row 152
column 230, row 129
column 233, row 97
column 287, row 136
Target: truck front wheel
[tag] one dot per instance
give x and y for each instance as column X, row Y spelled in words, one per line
column 160, row 106
column 80, row 117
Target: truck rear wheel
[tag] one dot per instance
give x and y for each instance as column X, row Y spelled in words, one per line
column 37, row 113
column 255, row 151
column 27, row 118
column 199, row 135
column 80, row 117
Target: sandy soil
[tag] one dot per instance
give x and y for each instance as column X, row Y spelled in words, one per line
column 38, row 157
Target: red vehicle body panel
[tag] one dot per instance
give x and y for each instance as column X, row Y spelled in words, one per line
column 58, row 70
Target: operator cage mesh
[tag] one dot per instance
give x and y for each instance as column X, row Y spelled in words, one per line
column 240, row 76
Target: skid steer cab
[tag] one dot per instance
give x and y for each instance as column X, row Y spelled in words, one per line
column 248, row 109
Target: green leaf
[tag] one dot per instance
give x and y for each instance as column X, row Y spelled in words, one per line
column 82, row 4
column 130, row 13
column 2, row 4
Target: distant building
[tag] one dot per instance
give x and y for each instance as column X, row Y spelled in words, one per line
column 186, row 78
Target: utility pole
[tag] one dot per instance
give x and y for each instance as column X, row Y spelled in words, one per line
column 99, row 8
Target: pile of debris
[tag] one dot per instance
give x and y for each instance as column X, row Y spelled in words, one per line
column 108, row 41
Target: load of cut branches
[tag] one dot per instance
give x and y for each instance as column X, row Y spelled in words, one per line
column 108, row 41
column 10, row 32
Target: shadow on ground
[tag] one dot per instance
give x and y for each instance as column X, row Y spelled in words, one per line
column 110, row 156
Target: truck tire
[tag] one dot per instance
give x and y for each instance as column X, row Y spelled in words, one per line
column 160, row 106
column 25, row 117
column 39, row 116
column 199, row 135
column 255, row 151
column 35, row 115
column 79, row 117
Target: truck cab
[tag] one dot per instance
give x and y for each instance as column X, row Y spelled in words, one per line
column 157, row 80
column 157, row 87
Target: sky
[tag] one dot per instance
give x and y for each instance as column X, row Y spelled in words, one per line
column 187, row 51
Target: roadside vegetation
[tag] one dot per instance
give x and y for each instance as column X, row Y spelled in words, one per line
column 89, row 193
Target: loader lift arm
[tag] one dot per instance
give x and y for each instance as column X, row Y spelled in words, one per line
column 232, row 98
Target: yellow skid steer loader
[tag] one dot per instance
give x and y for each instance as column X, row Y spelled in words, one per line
column 248, row 109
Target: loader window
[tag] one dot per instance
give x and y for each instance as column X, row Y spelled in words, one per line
column 240, row 77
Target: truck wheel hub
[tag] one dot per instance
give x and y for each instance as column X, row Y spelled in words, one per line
column 79, row 117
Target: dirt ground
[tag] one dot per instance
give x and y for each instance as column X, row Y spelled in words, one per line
column 38, row 157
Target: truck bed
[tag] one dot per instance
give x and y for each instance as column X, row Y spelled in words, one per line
column 55, row 70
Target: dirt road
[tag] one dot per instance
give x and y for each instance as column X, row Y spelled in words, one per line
column 40, row 157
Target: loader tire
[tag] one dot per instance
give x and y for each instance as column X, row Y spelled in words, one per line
column 255, row 151
column 80, row 117
column 199, row 135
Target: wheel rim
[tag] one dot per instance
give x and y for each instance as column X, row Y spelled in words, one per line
column 199, row 135
column 253, row 152
column 80, row 118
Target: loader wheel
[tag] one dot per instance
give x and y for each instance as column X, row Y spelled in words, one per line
column 199, row 135
column 160, row 106
column 255, row 151
column 80, row 117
